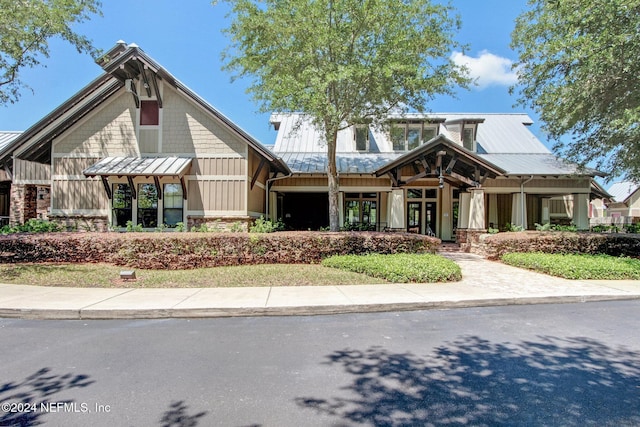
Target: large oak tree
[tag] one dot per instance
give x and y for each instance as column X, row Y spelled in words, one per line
column 578, row 68
column 343, row 62
column 27, row 26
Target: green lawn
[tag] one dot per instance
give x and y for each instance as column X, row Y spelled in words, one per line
column 105, row 276
column 576, row 266
column 399, row 268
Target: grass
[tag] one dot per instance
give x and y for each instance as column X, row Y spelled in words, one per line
column 108, row 276
column 399, row 268
column 576, row 266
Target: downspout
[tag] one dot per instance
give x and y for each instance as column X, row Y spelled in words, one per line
column 269, row 181
column 523, row 205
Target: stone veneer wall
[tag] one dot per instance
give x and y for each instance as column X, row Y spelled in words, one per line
column 82, row 222
column 24, row 203
column 222, row 224
column 468, row 239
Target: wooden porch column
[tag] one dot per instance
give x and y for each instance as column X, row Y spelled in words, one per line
column 464, row 207
column 493, row 211
column 476, row 209
column 396, row 209
column 581, row 211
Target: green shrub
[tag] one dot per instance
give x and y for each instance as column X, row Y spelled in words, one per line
column 633, row 228
column 32, row 226
column 577, row 266
column 134, row 228
column 262, row 225
column 399, row 268
column 511, row 227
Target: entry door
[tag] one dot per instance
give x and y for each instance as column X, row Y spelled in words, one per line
column 430, row 218
column 414, row 217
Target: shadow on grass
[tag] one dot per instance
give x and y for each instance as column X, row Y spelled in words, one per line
column 572, row 382
column 21, row 401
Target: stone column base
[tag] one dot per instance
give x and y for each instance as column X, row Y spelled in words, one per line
column 467, row 238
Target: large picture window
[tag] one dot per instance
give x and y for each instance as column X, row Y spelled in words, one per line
column 361, row 210
column 173, row 205
column 147, row 205
column 121, row 205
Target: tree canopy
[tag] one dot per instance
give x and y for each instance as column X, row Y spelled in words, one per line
column 578, row 68
column 343, row 62
column 26, row 26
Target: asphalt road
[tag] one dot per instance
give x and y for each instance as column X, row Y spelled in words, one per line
column 570, row 365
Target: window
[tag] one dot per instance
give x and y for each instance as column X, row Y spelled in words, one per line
column 409, row 136
column 428, row 133
column 121, row 205
column 361, row 210
column 467, row 138
column 362, row 138
column 173, row 204
column 397, row 137
column 147, row 205
column 413, row 136
column 149, row 113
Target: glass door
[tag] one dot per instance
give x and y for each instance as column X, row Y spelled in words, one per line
column 414, row 217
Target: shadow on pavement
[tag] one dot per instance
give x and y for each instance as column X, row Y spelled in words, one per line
column 553, row 381
column 178, row 416
column 24, row 403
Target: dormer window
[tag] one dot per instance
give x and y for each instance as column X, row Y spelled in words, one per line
column 362, row 138
column 406, row 136
column 468, row 138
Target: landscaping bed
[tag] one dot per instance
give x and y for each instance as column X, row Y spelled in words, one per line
column 577, row 266
column 494, row 246
column 399, row 268
column 178, row 251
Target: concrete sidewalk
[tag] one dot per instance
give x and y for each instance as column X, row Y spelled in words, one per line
column 484, row 283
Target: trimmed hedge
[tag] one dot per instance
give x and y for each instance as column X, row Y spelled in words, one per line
column 175, row 251
column 496, row 245
column 399, row 268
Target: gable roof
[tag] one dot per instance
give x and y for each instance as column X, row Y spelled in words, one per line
column 6, row 137
column 122, row 62
column 621, row 191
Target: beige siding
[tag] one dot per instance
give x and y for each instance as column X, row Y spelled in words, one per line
column 149, row 140
column 219, row 166
column 301, row 182
column 217, row 195
column 186, row 128
column 77, row 195
column 72, row 166
column 550, row 183
column 25, row 172
column 109, row 132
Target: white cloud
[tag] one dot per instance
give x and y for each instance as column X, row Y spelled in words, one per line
column 487, row 69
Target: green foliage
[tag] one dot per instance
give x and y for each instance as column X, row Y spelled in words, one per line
column 493, row 230
column 578, row 62
column 32, row 226
column 262, row 225
column 348, row 226
column 513, row 228
column 399, row 268
column 605, row 228
column 632, row 228
column 236, row 227
column 577, row 266
column 343, row 63
column 27, row 27
column 134, row 228
column 180, row 227
column 543, row 227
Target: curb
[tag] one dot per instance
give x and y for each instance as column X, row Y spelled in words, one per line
column 206, row 313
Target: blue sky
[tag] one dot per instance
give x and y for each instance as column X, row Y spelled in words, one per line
column 185, row 37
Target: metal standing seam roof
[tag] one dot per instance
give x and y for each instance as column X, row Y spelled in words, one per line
column 346, row 163
column 6, row 137
column 621, row 191
column 536, row 164
column 136, row 166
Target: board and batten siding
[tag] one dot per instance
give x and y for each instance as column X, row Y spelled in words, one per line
column 26, row 172
column 78, row 196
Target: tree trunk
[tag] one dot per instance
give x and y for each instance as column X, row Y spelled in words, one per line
column 334, row 185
